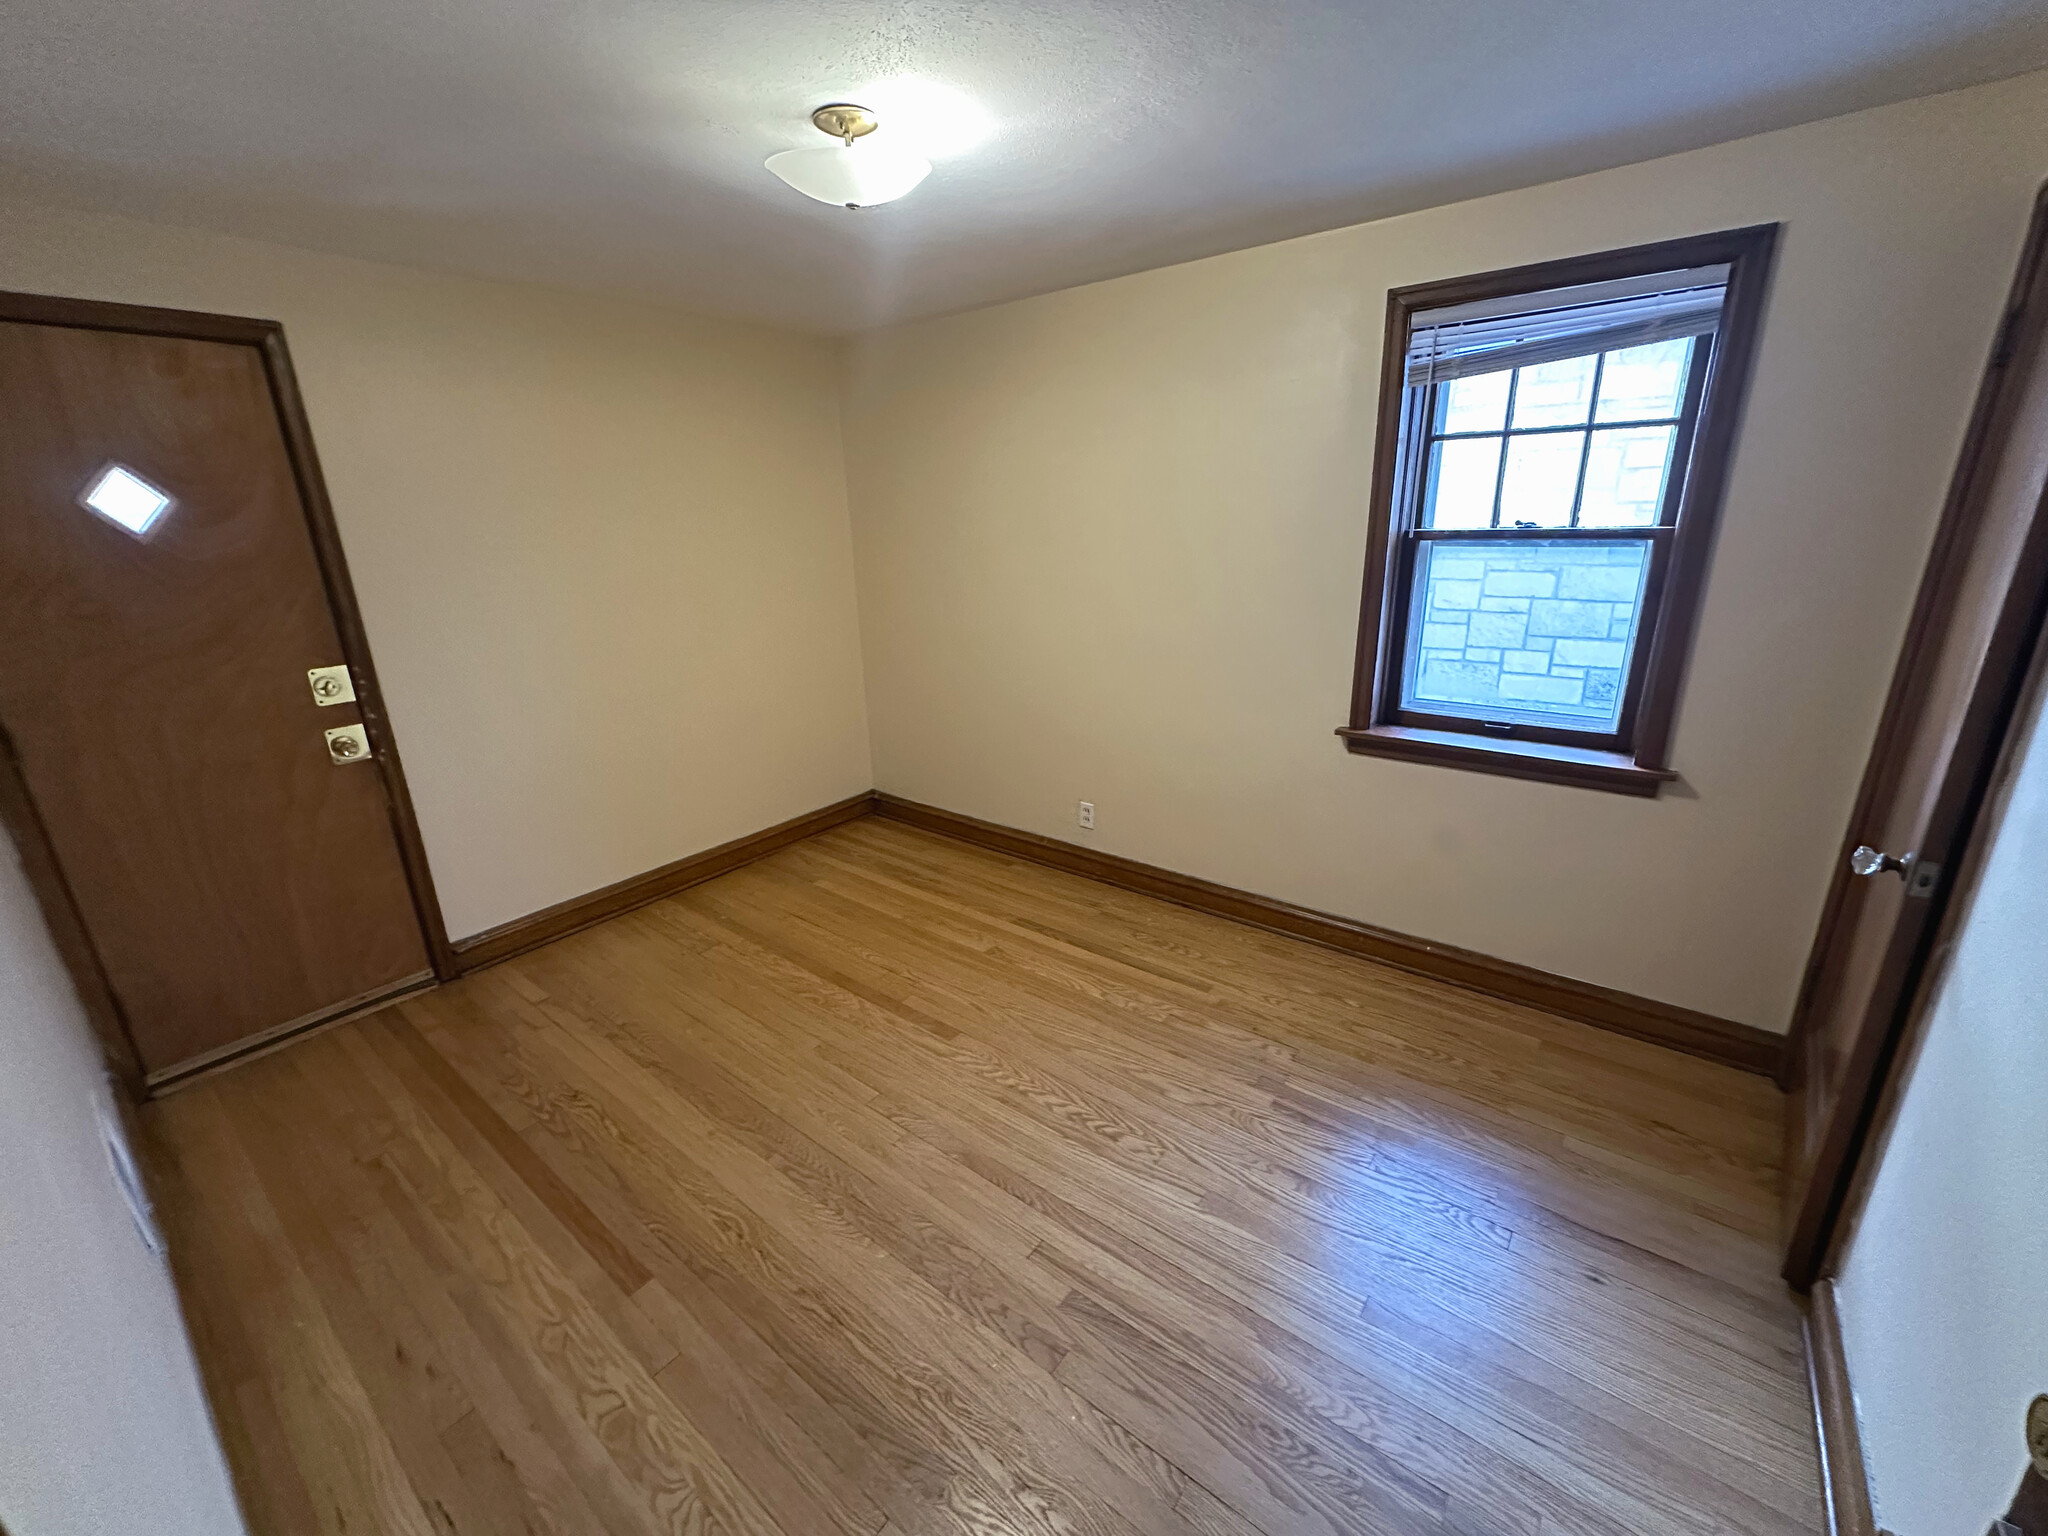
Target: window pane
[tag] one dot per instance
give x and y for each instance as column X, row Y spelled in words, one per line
column 1643, row 383
column 1542, row 478
column 1625, row 475
column 1462, row 475
column 1556, row 394
column 1476, row 404
column 1529, row 631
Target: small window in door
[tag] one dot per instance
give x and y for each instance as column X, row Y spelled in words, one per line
column 125, row 499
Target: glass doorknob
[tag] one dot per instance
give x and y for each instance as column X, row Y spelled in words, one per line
column 1867, row 861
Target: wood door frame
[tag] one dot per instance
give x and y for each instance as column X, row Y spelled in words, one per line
column 2000, row 684
column 45, row 874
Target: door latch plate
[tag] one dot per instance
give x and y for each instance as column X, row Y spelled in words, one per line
column 331, row 685
column 349, row 744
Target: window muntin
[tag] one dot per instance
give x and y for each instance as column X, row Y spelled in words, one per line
column 1560, row 440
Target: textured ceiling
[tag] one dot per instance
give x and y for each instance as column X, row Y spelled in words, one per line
column 617, row 145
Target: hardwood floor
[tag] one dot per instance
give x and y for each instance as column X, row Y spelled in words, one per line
column 889, row 1185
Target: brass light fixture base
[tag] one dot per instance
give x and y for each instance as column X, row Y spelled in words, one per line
column 845, row 121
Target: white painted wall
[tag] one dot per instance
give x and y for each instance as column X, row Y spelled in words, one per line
column 601, row 548
column 1944, row 1317
column 1110, row 544
column 104, row 1426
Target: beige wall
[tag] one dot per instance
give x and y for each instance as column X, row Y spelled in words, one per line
column 103, row 1424
column 1109, row 547
column 601, row 549
column 1942, row 1321
column 1110, row 543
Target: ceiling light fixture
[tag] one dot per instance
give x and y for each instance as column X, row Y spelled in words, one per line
column 852, row 176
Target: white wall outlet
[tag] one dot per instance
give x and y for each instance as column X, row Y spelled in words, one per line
column 1088, row 815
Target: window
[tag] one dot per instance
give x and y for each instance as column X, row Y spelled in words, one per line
column 123, row 497
column 1553, row 444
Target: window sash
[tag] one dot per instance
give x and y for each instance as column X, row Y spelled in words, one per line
column 1417, row 440
column 1658, row 538
column 1426, row 398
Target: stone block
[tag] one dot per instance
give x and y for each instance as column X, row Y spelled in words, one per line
column 1521, row 583
column 1504, row 604
column 1525, row 661
column 1540, row 690
column 1557, row 616
column 1496, row 629
column 1443, row 637
column 1482, row 653
column 1600, row 583
column 1591, row 653
column 1451, row 594
column 1462, row 682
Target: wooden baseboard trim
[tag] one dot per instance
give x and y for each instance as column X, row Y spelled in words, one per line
column 1698, row 1034
column 537, row 928
column 1845, row 1482
column 168, row 1080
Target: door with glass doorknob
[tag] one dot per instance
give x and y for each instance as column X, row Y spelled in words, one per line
column 1973, row 635
column 202, row 752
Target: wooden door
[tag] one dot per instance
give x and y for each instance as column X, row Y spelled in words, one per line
column 1958, row 678
column 234, row 881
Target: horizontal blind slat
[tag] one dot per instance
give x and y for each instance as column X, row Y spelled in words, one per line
column 1465, row 348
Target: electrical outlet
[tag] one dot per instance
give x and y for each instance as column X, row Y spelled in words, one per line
column 1088, row 815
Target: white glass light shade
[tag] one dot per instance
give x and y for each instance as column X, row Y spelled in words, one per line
column 858, row 176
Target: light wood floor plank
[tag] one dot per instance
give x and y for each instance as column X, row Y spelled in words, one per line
column 891, row 1187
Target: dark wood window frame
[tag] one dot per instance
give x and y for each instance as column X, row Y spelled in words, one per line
column 1634, row 760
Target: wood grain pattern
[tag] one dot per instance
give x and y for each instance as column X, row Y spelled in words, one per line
column 1845, row 1482
column 231, row 878
column 551, row 923
column 1683, row 1029
column 890, row 1186
column 23, row 824
column 267, row 338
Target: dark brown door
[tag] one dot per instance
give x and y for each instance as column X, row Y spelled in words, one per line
column 1971, row 635
column 233, row 879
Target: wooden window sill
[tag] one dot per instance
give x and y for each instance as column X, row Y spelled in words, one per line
column 1613, row 772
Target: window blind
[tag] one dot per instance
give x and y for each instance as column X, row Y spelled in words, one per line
column 1471, row 339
